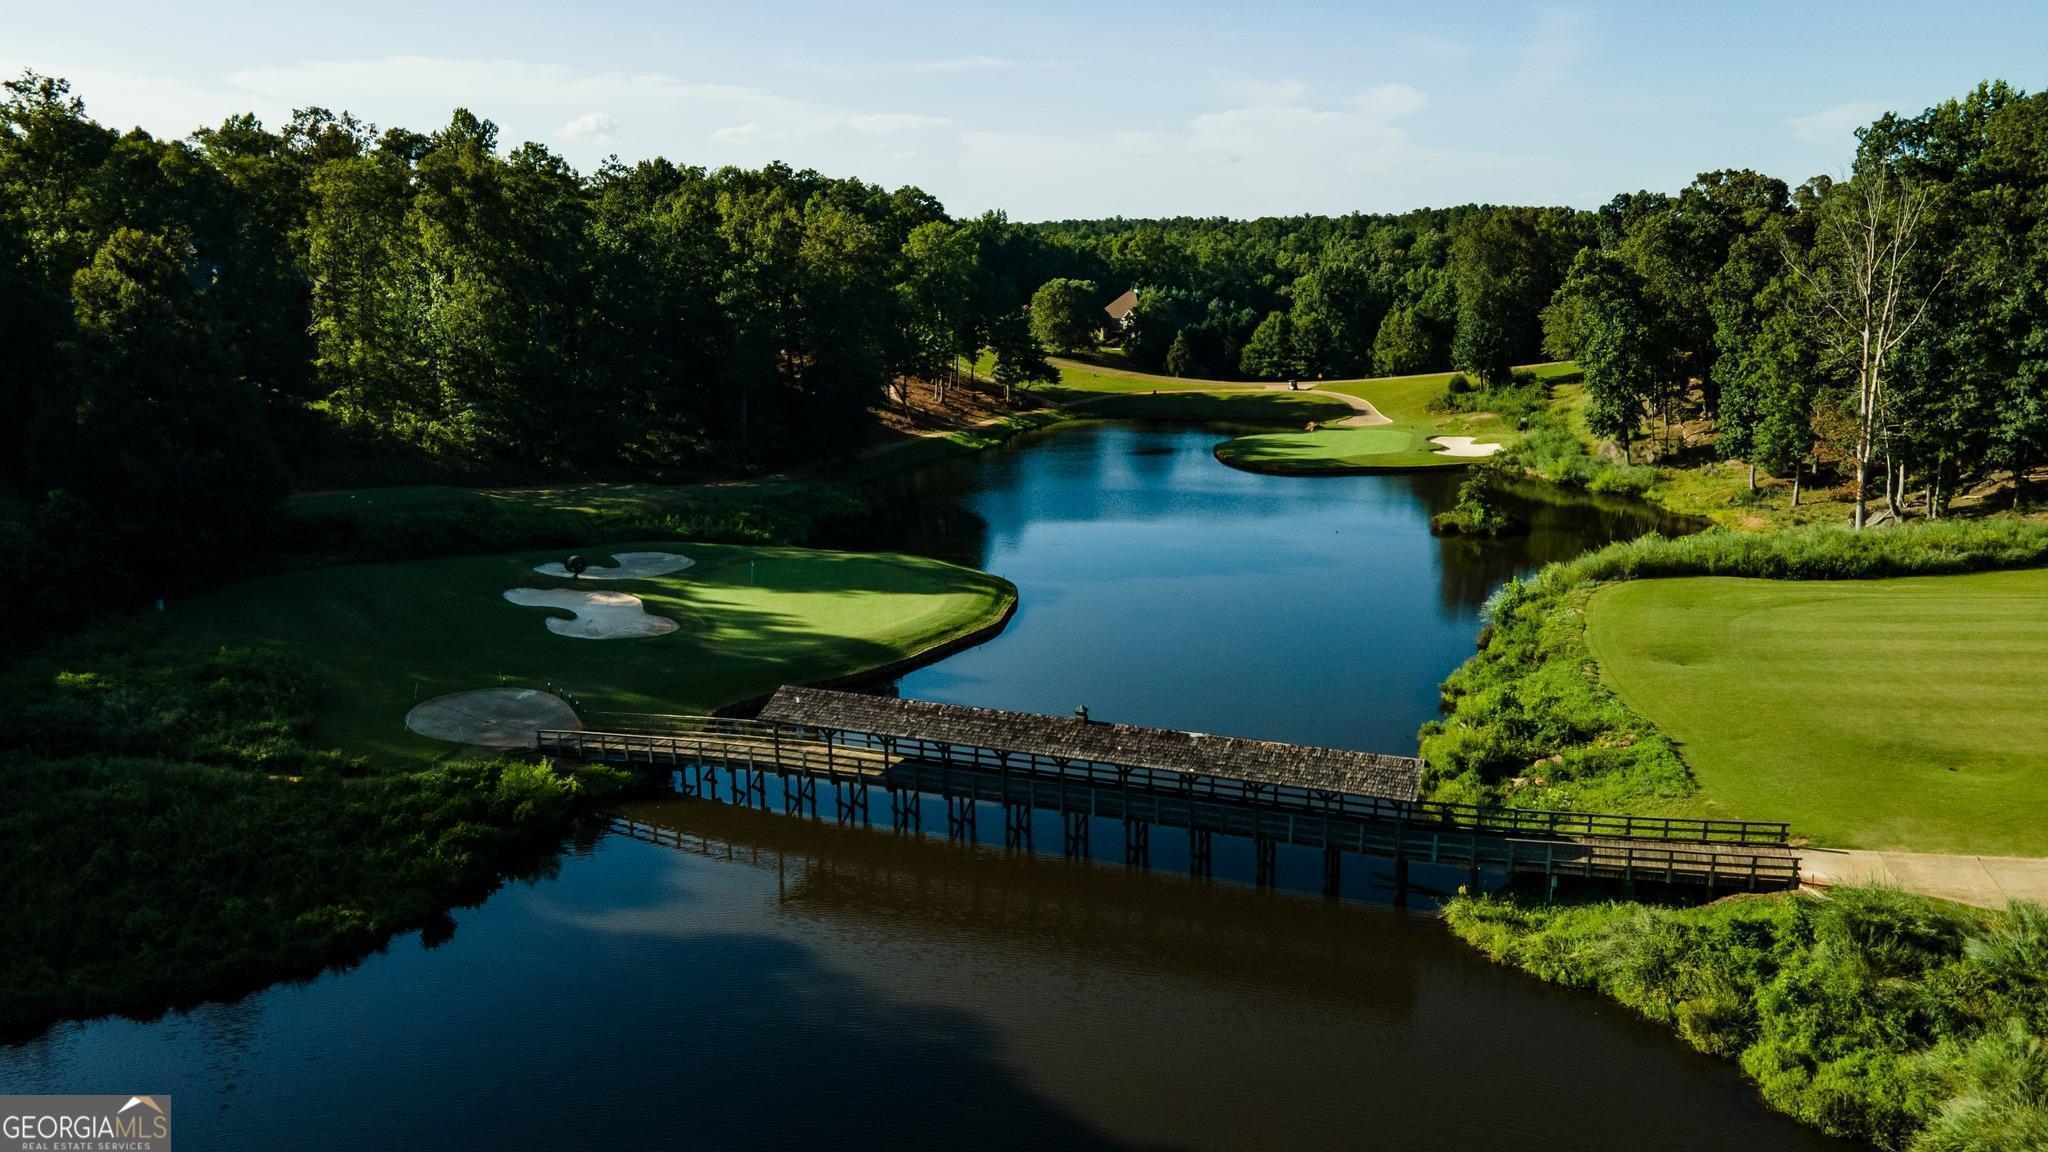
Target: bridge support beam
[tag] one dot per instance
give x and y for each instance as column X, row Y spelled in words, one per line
column 1137, row 843
column 1200, row 862
column 1017, row 827
column 906, row 810
column 1400, row 881
column 798, row 791
column 1076, row 839
column 1268, row 852
column 1333, row 872
column 851, row 800
column 743, row 790
column 960, row 819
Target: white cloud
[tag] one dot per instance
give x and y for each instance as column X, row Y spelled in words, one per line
column 886, row 123
column 595, row 127
column 736, row 132
column 1835, row 125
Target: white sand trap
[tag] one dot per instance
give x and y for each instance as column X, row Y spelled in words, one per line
column 1462, row 446
column 599, row 615
column 631, row 566
column 491, row 717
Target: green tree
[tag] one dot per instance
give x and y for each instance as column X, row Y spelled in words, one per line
column 1065, row 314
column 160, row 436
column 1403, row 346
column 1020, row 358
column 1180, row 359
column 1271, row 351
column 1623, row 352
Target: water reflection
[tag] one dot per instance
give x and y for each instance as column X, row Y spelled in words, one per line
column 1159, row 587
column 759, row 981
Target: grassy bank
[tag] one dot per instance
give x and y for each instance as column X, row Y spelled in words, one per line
column 1881, row 1016
column 382, row 636
column 168, row 832
column 1529, row 721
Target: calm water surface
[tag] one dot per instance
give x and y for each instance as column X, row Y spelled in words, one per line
column 735, row 979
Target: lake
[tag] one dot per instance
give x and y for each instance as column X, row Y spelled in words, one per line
column 701, row 976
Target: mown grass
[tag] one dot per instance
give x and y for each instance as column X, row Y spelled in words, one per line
column 1529, row 721
column 1902, row 714
column 1417, row 409
column 382, row 636
column 1901, row 1020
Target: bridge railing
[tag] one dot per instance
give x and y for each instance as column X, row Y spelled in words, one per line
column 813, row 749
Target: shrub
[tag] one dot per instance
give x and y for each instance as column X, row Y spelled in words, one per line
column 1853, row 1013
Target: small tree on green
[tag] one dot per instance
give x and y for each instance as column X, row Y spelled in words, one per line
column 1066, row 313
column 1180, row 359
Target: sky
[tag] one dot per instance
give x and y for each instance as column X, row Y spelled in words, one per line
column 1052, row 111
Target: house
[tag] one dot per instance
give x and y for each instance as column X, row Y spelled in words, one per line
column 1119, row 321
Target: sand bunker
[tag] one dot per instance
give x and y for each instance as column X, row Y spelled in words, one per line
column 599, row 615
column 491, row 717
column 1462, row 446
column 631, row 566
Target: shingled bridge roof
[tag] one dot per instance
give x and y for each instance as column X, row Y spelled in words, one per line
column 1125, row 745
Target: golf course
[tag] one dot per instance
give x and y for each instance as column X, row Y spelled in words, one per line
column 744, row 621
column 1382, row 424
column 1885, row 714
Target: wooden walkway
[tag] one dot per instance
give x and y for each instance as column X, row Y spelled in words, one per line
column 1195, row 798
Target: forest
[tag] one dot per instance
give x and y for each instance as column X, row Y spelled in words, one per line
column 195, row 328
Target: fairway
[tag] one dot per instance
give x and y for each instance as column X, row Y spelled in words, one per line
column 1401, row 445
column 750, row 619
column 1905, row 714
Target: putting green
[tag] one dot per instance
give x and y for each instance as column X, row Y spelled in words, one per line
column 1907, row 714
column 389, row 635
column 1335, row 450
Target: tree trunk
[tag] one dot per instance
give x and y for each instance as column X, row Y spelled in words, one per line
column 1798, row 472
column 1752, row 475
column 1862, row 490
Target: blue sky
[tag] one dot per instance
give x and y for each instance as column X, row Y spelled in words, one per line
column 1053, row 110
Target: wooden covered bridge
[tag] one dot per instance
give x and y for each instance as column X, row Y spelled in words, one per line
column 1271, row 793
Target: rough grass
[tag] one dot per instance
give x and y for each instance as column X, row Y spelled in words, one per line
column 167, row 833
column 1889, row 714
column 384, row 635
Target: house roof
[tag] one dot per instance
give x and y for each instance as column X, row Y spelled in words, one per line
column 1125, row 745
column 1122, row 305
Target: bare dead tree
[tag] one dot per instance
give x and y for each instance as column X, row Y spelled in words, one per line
column 1862, row 274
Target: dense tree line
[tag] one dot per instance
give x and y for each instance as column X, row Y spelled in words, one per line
column 191, row 326
column 1327, row 296
column 1890, row 327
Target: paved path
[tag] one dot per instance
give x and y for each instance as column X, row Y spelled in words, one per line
column 1987, row 881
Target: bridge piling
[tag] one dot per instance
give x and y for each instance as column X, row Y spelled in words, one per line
column 1017, row 826
column 1137, row 843
column 1268, row 852
column 1200, row 863
column 1076, row 839
column 960, row 818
